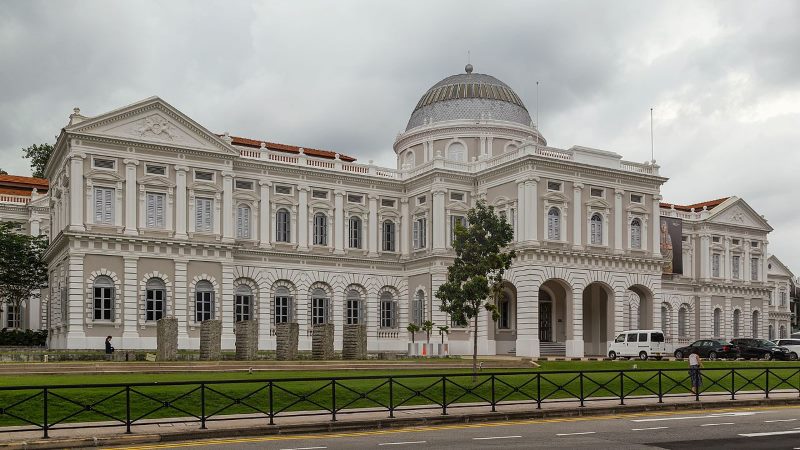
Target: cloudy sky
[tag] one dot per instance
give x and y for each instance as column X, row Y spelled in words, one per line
column 723, row 77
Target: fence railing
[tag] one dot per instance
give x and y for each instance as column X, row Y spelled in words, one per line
column 46, row 408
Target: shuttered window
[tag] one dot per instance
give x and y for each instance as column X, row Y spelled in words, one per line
column 155, row 209
column 636, row 233
column 419, row 233
column 243, row 222
column 388, row 236
column 282, row 224
column 597, row 229
column 104, row 206
column 320, row 229
column 554, row 224
column 203, row 215
column 355, row 232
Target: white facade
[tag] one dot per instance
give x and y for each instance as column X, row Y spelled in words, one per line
column 153, row 215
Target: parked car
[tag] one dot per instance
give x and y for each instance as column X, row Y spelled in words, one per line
column 639, row 343
column 792, row 344
column 760, row 349
column 709, row 348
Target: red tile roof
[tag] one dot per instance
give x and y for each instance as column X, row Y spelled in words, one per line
column 245, row 142
column 7, row 191
column 16, row 181
column 711, row 204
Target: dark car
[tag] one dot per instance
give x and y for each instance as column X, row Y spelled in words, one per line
column 709, row 348
column 760, row 349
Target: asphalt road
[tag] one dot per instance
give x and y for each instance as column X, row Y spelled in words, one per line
column 757, row 428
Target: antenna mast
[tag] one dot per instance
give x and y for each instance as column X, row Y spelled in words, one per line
column 538, row 128
column 652, row 148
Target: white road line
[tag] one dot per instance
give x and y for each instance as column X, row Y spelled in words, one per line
column 495, row 437
column 731, row 414
column 716, row 424
column 575, row 434
column 403, row 443
column 779, row 420
column 304, row 448
column 772, row 433
column 647, row 429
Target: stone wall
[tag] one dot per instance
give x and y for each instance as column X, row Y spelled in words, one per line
column 354, row 342
column 211, row 340
column 286, row 337
column 167, row 339
column 246, row 340
column 322, row 342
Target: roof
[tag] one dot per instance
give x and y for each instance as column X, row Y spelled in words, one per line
column 16, row 181
column 709, row 205
column 20, row 192
column 253, row 143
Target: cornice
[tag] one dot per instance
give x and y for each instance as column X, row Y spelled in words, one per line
column 130, row 142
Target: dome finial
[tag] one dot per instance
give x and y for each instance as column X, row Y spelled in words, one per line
column 468, row 68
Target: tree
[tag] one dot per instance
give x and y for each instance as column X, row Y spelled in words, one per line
column 427, row 327
column 443, row 331
column 475, row 278
column 412, row 328
column 3, row 172
column 39, row 155
column 23, row 273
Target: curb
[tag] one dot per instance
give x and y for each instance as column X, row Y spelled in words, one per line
column 378, row 424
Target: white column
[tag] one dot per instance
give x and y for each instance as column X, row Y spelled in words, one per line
column 728, row 263
column 338, row 228
column 574, row 345
column 764, row 262
column 302, row 219
column 181, row 304
column 265, row 209
column 372, row 225
column 405, row 228
column 228, row 233
column 228, row 336
column 532, row 198
column 706, row 318
column 577, row 208
column 217, row 214
column 727, row 322
column 527, row 320
column 180, row 202
column 655, row 229
column 130, row 308
column 522, row 228
column 76, row 197
column 76, row 335
column 705, row 265
column 35, row 227
column 618, row 193
column 439, row 224
column 130, row 197
column 747, row 263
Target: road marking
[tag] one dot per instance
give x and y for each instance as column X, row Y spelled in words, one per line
column 495, row 437
column 716, row 424
column 771, row 433
column 727, row 414
column 647, row 429
column 576, row 434
column 779, row 420
column 304, row 448
column 403, row 443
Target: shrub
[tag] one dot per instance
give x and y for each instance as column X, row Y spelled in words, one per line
column 20, row 338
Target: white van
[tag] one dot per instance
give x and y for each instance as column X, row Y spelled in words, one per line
column 639, row 343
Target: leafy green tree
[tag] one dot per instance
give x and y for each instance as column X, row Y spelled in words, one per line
column 23, row 273
column 39, row 155
column 3, row 172
column 475, row 278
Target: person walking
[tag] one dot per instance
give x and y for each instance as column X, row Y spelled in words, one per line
column 695, row 364
column 109, row 348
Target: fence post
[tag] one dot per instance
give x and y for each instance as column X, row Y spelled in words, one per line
column 733, row 384
column 621, row 388
column 493, row 397
column 766, row 385
column 202, row 406
column 271, row 406
column 127, row 410
column 444, row 396
column 44, row 403
column 538, row 391
column 391, row 398
column 660, row 393
column 580, row 377
column 333, row 400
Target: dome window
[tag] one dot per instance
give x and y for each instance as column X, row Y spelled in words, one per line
column 457, row 152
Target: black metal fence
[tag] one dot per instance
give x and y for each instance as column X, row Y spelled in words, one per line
column 46, row 408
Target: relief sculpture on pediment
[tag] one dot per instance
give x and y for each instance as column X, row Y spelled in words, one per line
column 155, row 126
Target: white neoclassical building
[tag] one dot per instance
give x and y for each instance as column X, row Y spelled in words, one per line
column 153, row 215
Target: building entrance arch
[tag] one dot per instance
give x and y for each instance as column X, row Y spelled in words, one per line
column 598, row 318
column 555, row 311
column 646, row 311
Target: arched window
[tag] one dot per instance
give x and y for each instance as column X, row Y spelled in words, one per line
column 418, row 308
column 103, row 298
column 355, row 232
column 755, row 324
column 243, row 222
column 554, row 224
column 664, row 317
column 636, row 233
column 770, row 332
column 409, row 162
column 353, row 308
column 243, row 303
column 388, row 311
column 319, row 306
column 457, row 152
column 388, row 232
column 282, row 226
column 682, row 322
column 155, row 299
column 282, row 312
column 596, row 230
column 504, row 308
column 737, row 318
column 717, row 322
column 320, row 229
column 204, row 301
column 782, row 332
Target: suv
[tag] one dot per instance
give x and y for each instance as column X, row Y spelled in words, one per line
column 792, row 344
column 760, row 349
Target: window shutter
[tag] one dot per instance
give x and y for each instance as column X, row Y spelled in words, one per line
column 416, row 234
column 246, row 222
column 98, row 205
column 160, row 202
column 109, row 206
column 151, row 210
column 239, row 223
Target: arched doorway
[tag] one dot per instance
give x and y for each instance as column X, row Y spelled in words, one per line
column 646, row 312
column 504, row 329
column 555, row 313
column 598, row 323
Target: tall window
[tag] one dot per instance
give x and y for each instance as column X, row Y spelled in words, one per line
column 717, row 322
column 783, row 298
column 504, row 308
column 104, row 206
column 770, row 332
column 596, row 229
column 636, row 233
column 355, row 232
column 203, row 214
column 736, row 264
column 243, row 303
column 388, row 311
column 319, row 306
column 103, row 298
column 204, row 301
column 282, row 223
column 419, row 233
column 243, row 222
column 389, row 240
column 664, row 316
column 418, row 308
column 782, row 332
column 155, row 209
column 155, row 299
column 353, row 311
column 715, row 263
column 320, row 229
column 554, row 224
column 755, row 324
column 13, row 315
column 283, row 306
column 682, row 322
column 737, row 318
column 455, row 222
column 754, row 269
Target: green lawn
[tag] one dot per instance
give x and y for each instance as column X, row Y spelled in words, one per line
column 410, row 388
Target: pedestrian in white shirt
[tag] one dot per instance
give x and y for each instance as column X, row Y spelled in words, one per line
column 695, row 364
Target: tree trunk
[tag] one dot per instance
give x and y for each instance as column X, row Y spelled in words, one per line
column 475, row 351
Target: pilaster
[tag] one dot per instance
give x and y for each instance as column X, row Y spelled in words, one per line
column 338, row 228
column 76, row 197
column 228, row 233
column 577, row 206
column 439, row 225
column 130, row 197
column 372, row 226
column 180, row 203
column 522, row 228
column 618, row 247
column 302, row 218
column 130, row 308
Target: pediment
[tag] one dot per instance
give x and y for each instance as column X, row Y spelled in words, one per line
column 776, row 267
column 153, row 121
column 739, row 213
column 557, row 197
column 152, row 180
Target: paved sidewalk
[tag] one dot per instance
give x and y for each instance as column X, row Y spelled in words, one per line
column 112, row 433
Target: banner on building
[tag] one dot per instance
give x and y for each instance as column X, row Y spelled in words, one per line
column 671, row 244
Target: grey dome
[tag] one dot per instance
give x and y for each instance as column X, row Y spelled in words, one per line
column 469, row 96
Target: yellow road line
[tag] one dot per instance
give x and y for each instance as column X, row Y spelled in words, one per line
column 413, row 429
